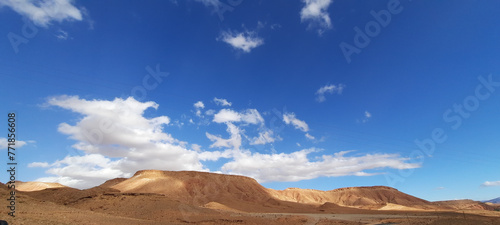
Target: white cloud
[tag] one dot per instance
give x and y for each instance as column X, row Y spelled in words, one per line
column 4, row 143
column 62, row 35
column 368, row 114
column 250, row 116
column 117, row 140
column 289, row 118
column 209, row 112
column 222, row 102
column 227, row 115
column 366, row 118
column 315, row 12
column 199, row 105
column 42, row 13
column 38, row 164
column 196, row 147
column 328, row 89
column 310, row 137
column 296, row 166
column 491, row 183
column 245, row 41
column 234, row 141
column 264, row 138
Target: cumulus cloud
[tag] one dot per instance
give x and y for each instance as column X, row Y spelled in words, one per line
column 491, row 183
column 315, row 12
column 245, row 41
column 222, row 102
column 117, row 140
column 250, row 116
column 290, row 118
column 199, row 105
column 328, row 89
column 297, row 166
column 42, row 13
column 4, row 143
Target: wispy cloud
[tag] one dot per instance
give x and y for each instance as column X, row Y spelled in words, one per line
column 290, row 118
column 310, row 137
column 62, row 35
column 222, row 102
column 250, row 116
column 296, row 166
column 264, row 138
column 328, row 89
column 4, row 143
column 366, row 117
column 38, row 164
column 244, row 41
column 491, row 183
column 315, row 13
column 42, row 13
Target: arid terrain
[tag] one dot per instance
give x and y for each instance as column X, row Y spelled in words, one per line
column 186, row 197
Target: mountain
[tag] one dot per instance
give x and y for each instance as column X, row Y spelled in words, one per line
column 495, row 201
column 234, row 191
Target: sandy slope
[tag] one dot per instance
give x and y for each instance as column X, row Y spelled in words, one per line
column 36, row 186
column 464, row 204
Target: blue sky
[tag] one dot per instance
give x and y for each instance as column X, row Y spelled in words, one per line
column 312, row 94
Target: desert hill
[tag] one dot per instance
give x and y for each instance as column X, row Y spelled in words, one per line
column 463, row 204
column 205, row 189
column 111, row 182
column 361, row 197
column 3, row 186
column 36, row 186
column 202, row 188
